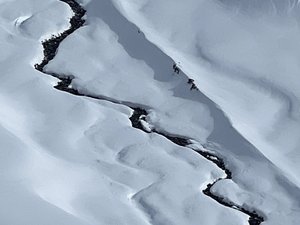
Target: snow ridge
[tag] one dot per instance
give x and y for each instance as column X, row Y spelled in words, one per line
column 138, row 117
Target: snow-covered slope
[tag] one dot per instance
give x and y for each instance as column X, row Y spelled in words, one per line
column 68, row 159
column 244, row 55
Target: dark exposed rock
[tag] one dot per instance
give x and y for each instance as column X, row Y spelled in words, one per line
column 137, row 116
column 190, row 81
column 254, row 218
column 51, row 45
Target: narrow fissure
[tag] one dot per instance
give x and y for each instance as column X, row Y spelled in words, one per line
column 50, row 48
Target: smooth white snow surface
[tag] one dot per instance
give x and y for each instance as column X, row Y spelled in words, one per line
column 244, row 55
column 73, row 160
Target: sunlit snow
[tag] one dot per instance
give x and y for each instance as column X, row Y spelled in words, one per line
column 69, row 160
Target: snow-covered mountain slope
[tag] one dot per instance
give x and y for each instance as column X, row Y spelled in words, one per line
column 71, row 159
column 244, row 55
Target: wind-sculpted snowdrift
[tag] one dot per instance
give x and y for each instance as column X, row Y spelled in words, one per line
column 76, row 160
column 244, row 55
column 69, row 160
column 137, row 119
column 123, row 65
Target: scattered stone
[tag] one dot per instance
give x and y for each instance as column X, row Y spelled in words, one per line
column 194, row 87
column 176, row 68
column 190, row 81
